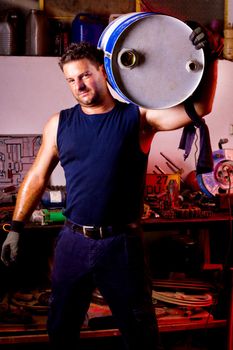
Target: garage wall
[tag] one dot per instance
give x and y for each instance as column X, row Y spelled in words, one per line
column 33, row 88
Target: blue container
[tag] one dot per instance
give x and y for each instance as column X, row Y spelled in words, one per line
column 86, row 27
column 53, row 199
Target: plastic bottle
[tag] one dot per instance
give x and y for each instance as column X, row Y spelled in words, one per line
column 9, row 44
column 37, row 34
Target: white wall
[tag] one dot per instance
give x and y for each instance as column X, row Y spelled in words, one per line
column 33, row 88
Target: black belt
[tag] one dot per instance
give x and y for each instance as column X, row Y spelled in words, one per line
column 99, row 232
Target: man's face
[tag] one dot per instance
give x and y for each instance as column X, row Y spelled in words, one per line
column 87, row 81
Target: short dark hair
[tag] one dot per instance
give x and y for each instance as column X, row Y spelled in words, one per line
column 78, row 51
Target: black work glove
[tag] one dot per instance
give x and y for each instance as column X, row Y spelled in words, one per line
column 10, row 248
column 202, row 38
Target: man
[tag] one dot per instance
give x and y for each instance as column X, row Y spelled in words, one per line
column 103, row 146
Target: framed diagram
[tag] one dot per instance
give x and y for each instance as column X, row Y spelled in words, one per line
column 17, row 153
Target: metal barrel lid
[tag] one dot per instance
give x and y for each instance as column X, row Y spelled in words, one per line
column 150, row 60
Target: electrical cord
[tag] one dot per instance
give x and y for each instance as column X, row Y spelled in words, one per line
column 6, row 227
column 196, row 149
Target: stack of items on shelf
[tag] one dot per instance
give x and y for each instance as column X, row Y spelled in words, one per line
column 35, row 300
column 175, row 302
column 165, row 198
column 51, row 206
column 30, row 307
column 23, row 307
column 12, row 314
column 183, row 301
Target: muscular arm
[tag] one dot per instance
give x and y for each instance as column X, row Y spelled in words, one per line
column 37, row 177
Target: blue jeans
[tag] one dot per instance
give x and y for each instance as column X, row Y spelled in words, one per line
column 116, row 266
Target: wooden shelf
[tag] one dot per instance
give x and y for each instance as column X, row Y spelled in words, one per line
column 22, row 334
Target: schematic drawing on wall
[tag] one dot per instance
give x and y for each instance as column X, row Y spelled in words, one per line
column 17, row 153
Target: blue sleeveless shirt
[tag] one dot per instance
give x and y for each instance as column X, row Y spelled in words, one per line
column 103, row 164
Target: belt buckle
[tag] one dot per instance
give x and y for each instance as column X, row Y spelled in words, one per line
column 85, row 228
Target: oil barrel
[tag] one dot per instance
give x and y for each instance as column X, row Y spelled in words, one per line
column 150, row 60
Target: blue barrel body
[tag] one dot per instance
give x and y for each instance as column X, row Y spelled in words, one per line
column 108, row 40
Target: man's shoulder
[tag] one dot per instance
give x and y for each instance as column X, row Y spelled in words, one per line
column 69, row 110
column 127, row 106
